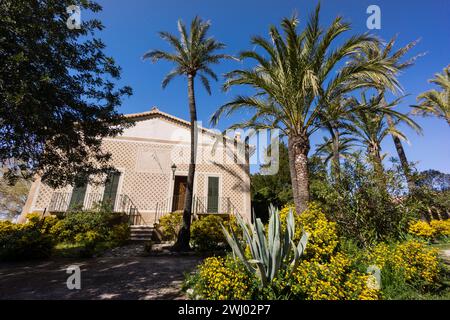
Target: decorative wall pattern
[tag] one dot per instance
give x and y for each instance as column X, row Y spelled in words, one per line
column 148, row 179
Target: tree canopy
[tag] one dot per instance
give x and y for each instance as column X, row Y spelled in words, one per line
column 58, row 98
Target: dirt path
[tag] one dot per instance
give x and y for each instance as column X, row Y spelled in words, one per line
column 158, row 277
column 445, row 254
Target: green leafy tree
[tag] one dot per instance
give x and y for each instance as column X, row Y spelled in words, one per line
column 434, row 179
column 290, row 79
column 193, row 55
column 275, row 189
column 12, row 197
column 57, row 95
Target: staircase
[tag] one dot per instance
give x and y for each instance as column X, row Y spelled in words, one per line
column 141, row 232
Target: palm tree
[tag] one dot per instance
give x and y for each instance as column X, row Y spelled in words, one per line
column 367, row 124
column 291, row 78
column 437, row 102
column 193, row 55
column 332, row 118
column 332, row 147
column 385, row 52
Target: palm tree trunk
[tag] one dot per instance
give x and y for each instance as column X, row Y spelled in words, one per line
column 336, row 165
column 375, row 157
column 401, row 155
column 184, row 235
column 298, row 146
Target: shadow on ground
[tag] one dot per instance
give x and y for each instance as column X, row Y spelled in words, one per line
column 101, row 278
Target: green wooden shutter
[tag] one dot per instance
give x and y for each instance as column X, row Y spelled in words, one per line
column 213, row 194
column 78, row 194
column 111, row 186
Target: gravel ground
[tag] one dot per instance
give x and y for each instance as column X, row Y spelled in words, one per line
column 107, row 277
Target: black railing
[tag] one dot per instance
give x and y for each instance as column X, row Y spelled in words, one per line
column 127, row 206
column 200, row 205
column 221, row 205
column 60, row 203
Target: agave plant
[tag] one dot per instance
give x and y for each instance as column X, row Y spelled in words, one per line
column 271, row 250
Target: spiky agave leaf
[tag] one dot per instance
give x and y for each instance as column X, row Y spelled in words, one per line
column 272, row 250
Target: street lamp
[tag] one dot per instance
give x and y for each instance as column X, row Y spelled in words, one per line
column 174, row 168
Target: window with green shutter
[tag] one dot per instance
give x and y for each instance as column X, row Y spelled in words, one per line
column 111, row 187
column 78, row 194
column 213, row 194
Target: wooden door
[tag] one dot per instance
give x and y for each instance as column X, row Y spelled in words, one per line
column 179, row 193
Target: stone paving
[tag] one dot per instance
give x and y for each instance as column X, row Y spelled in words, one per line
column 123, row 273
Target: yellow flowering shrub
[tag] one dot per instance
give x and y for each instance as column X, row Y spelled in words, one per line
column 323, row 237
column 412, row 258
column 441, row 227
column 333, row 280
column 428, row 231
column 26, row 241
column 422, row 229
column 220, row 278
column 417, row 261
column 207, row 234
column 170, row 225
column 324, row 273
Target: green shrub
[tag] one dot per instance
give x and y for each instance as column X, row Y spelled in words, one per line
column 93, row 230
column 119, row 234
column 365, row 210
column 206, row 233
column 170, row 225
column 75, row 224
column 26, row 241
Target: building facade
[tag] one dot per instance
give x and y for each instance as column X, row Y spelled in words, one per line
column 152, row 161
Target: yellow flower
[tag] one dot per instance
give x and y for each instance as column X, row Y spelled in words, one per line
column 422, row 229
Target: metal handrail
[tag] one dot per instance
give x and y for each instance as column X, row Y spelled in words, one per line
column 60, row 203
column 199, row 206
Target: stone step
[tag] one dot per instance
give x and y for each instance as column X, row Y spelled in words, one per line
column 148, row 238
column 141, row 232
column 144, row 226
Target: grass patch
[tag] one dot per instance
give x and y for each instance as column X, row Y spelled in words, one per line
column 80, row 250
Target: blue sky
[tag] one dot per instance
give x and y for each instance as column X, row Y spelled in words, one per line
column 132, row 26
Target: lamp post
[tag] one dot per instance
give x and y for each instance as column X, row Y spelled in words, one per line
column 174, row 168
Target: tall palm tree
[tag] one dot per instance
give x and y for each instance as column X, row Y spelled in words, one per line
column 386, row 52
column 289, row 81
column 369, row 126
column 437, row 102
column 193, row 54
